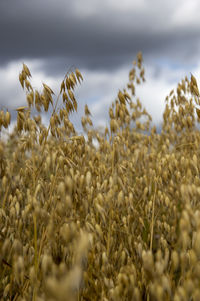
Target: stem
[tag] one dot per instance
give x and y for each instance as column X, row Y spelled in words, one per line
column 35, row 242
column 152, row 220
column 43, row 146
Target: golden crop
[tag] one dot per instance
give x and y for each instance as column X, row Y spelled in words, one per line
column 120, row 221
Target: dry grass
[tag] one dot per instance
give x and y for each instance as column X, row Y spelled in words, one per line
column 117, row 222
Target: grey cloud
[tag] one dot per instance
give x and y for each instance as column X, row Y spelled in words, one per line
column 54, row 32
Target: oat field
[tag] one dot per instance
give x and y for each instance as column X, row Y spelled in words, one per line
column 120, row 221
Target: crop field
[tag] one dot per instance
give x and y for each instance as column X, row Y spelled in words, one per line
column 117, row 222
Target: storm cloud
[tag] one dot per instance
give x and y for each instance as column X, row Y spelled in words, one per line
column 98, row 34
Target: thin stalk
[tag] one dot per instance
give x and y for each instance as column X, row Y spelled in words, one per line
column 35, row 242
column 152, row 219
column 45, row 140
column 152, row 225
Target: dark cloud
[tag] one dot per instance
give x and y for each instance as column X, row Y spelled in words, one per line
column 57, row 33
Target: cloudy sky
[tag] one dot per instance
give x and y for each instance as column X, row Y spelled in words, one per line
column 101, row 38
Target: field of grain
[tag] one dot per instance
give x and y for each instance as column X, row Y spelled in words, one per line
column 120, row 221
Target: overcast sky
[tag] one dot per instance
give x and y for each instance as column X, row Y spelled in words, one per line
column 101, row 38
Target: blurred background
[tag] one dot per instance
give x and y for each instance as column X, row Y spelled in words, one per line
column 101, row 38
